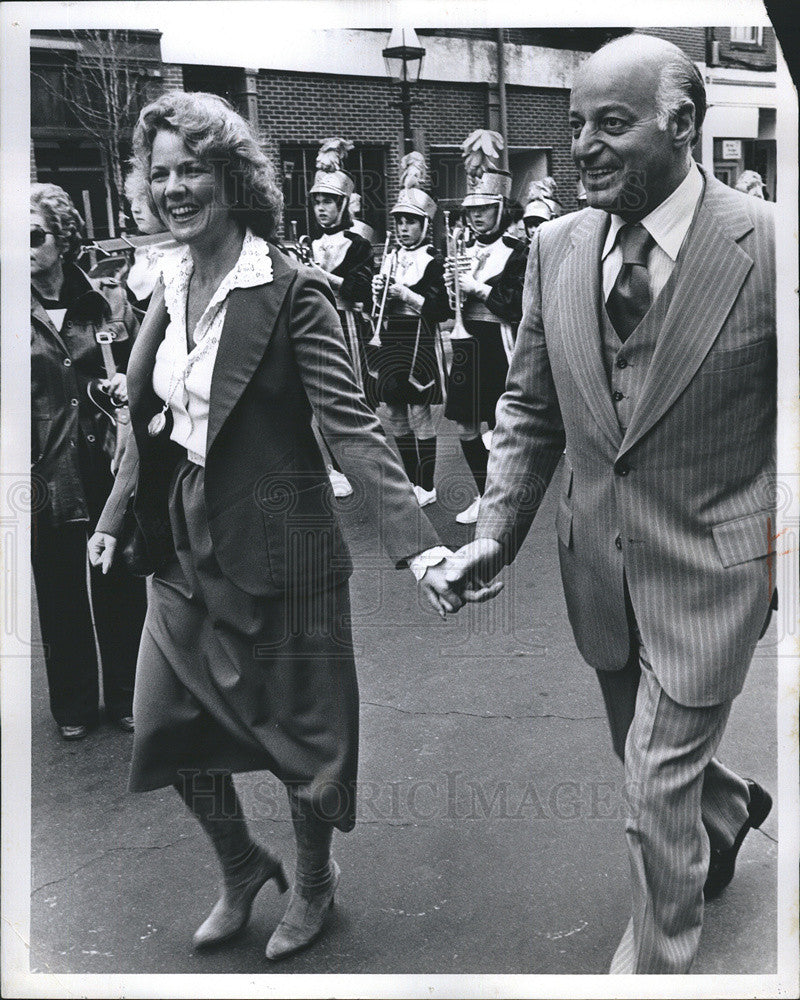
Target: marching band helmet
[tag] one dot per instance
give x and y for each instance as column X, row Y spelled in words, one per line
column 334, row 182
column 412, row 200
column 537, row 209
column 331, row 178
column 487, row 184
column 493, row 188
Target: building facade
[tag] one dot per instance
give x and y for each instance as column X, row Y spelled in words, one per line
column 334, row 82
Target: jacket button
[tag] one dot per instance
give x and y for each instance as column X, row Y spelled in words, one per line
column 617, row 395
column 618, row 542
column 90, row 439
column 73, row 402
column 67, row 362
column 622, row 363
column 621, row 469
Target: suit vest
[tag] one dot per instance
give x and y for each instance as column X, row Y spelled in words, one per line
column 627, row 364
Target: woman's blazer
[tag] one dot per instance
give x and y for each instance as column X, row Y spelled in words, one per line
column 281, row 359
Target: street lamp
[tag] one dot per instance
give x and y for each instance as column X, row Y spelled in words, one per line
column 403, row 57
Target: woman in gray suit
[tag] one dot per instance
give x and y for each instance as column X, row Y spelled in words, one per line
column 246, row 661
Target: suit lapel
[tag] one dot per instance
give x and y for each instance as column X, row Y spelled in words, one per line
column 711, row 275
column 578, row 300
column 248, row 327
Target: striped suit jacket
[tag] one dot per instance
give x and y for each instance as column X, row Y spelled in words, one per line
column 681, row 505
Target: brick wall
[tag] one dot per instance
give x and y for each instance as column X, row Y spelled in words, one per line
column 306, row 107
column 746, row 56
column 691, row 40
column 538, row 117
column 172, row 77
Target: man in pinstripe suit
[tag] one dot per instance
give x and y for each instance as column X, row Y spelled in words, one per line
column 647, row 350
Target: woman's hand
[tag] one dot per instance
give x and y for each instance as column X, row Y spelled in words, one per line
column 441, row 594
column 101, row 550
column 118, row 389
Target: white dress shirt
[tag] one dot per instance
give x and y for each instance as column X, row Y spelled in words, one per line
column 668, row 224
column 184, row 379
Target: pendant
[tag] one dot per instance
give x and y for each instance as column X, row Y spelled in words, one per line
column 157, row 424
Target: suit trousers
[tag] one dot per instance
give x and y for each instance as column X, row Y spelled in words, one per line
column 680, row 800
column 58, row 556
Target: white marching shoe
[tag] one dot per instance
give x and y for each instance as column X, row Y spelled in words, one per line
column 339, row 483
column 470, row 515
column 425, row 497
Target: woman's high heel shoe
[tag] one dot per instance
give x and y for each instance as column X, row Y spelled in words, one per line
column 232, row 910
column 304, row 919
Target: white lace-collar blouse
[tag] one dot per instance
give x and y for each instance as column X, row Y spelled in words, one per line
column 181, row 377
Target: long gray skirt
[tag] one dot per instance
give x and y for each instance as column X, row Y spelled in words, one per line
column 242, row 683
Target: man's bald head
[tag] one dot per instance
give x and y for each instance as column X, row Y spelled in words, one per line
column 635, row 109
column 676, row 78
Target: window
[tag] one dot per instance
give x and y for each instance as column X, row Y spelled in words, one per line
column 224, row 81
column 367, row 164
column 747, row 36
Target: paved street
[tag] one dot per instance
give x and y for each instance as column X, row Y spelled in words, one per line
column 489, row 836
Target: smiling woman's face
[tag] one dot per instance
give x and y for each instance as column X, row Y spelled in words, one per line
column 187, row 192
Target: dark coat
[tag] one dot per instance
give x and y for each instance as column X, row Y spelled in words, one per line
column 69, row 467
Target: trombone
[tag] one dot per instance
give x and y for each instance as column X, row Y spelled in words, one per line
column 378, row 310
column 456, row 239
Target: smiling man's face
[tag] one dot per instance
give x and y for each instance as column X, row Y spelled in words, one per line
column 627, row 162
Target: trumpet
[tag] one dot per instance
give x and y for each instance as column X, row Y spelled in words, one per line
column 378, row 310
column 456, row 240
column 300, row 246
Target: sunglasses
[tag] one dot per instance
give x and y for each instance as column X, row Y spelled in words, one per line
column 39, row 237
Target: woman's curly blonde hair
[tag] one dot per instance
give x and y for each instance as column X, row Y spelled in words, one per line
column 214, row 132
column 61, row 217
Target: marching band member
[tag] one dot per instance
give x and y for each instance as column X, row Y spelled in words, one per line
column 409, row 362
column 345, row 259
column 542, row 205
column 491, row 281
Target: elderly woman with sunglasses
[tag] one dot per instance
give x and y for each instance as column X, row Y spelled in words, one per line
column 71, row 474
column 246, row 661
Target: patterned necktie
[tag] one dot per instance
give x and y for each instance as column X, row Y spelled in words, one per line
column 629, row 299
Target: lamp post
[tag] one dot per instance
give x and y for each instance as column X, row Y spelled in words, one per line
column 403, row 57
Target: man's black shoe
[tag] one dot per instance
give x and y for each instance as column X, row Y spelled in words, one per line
column 723, row 862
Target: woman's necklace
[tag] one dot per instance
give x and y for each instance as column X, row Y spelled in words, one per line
column 159, row 421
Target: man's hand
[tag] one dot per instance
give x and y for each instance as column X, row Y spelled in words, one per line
column 469, row 571
column 101, row 550
column 439, row 592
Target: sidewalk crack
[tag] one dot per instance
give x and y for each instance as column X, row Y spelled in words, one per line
column 482, row 715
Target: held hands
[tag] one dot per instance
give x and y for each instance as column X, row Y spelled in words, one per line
column 464, row 577
column 101, row 550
